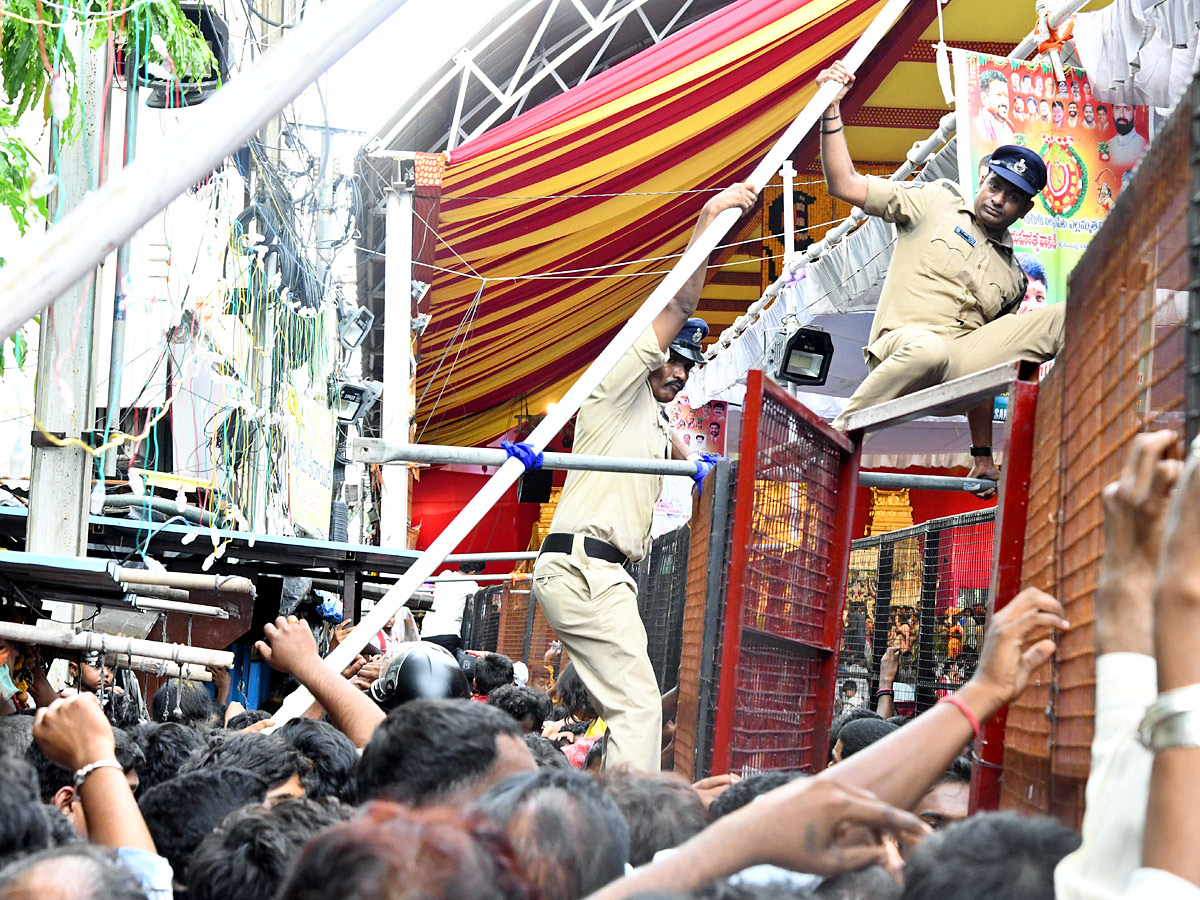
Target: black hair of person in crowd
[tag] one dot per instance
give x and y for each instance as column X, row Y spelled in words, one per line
column 594, row 760
column 56, row 785
column 246, row 718
column 16, row 735
column 529, row 707
column 570, row 836
column 165, row 747
column 860, row 734
column 871, row 883
column 471, row 567
column 78, row 871
column 992, row 856
column 186, row 702
column 573, row 693
column 850, row 715
column 662, row 810
column 546, row 753
column 749, row 788
column 332, row 757
column 282, row 765
column 249, row 853
column 431, row 751
column 26, row 824
column 181, row 812
column 492, row 670
column 392, row 852
column 725, row 889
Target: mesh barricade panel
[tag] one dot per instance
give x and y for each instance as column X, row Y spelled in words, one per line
column 782, row 618
column 922, row 590
column 776, row 704
column 661, row 600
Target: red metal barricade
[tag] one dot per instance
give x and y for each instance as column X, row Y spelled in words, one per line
column 788, row 555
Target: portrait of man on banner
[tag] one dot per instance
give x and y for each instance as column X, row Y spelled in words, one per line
column 1090, row 149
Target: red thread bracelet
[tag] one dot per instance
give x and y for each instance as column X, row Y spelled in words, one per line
column 955, row 700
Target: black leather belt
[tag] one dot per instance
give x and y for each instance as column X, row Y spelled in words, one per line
column 593, row 547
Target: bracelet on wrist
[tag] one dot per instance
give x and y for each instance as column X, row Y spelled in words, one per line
column 981, row 451
column 1173, row 720
column 832, row 130
column 81, row 774
column 832, row 118
column 885, row 692
column 961, row 704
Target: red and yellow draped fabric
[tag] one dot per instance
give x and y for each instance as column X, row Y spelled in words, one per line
column 542, row 277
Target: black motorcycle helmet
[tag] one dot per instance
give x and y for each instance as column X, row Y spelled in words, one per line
column 420, row 669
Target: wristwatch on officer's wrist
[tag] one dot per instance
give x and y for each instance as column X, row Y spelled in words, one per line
column 981, row 452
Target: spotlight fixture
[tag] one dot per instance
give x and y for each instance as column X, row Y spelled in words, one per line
column 419, row 290
column 801, row 356
column 353, row 328
column 355, row 399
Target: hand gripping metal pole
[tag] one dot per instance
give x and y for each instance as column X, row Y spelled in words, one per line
column 44, row 265
column 299, row 701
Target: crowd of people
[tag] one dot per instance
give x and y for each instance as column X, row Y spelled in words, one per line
column 468, row 794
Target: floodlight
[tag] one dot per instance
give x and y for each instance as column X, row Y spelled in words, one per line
column 353, row 328
column 802, row 356
column 419, row 290
column 355, row 399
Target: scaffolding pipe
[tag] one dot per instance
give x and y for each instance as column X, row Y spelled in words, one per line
column 372, row 450
column 697, row 255
column 97, row 642
column 898, row 480
column 151, row 604
column 187, row 581
column 160, row 667
column 158, row 592
column 44, row 265
column 491, row 556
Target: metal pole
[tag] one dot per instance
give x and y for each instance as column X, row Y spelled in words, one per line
column 160, row 667
column 486, row 557
column 894, row 480
column 263, row 331
column 116, row 358
column 298, row 701
column 45, row 265
column 187, row 581
column 397, row 354
column 368, row 450
column 173, row 606
column 95, row 642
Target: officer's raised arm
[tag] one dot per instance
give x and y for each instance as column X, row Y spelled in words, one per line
column 843, row 181
column 682, row 307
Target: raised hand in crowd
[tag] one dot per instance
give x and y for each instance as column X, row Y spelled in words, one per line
column 901, row 767
column 289, row 646
column 830, row 828
column 889, row 665
column 1173, row 723
column 72, row 732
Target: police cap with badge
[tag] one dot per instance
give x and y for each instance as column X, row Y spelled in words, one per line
column 1019, row 166
column 687, row 344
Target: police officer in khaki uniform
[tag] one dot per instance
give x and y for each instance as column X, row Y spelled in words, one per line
column 603, row 520
column 943, row 310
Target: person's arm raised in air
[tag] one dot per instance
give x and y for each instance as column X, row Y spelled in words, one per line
column 821, row 828
column 682, row 307
column 1172, row 826
column 1118, row 787
column 901, row 767
column 889, row 665
column 290, row 647
column 73, row 733
column 842, row 179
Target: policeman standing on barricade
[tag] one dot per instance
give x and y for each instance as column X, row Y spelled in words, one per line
column 603, row 519
column 944, row 310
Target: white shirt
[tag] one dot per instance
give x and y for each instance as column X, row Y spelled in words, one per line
column 1118, row 787
column 449, row 600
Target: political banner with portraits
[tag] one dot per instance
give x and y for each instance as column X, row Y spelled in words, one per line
column 1090, row 149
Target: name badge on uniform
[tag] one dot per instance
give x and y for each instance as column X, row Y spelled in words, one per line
column 963, row 234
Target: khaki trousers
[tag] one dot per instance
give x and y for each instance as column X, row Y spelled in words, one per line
column 592, row 607
column 911, row 358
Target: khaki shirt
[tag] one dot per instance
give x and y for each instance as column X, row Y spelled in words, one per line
column 946, row 273
column 620, row 418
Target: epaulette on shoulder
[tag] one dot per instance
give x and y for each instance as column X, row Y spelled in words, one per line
column 952, row 186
